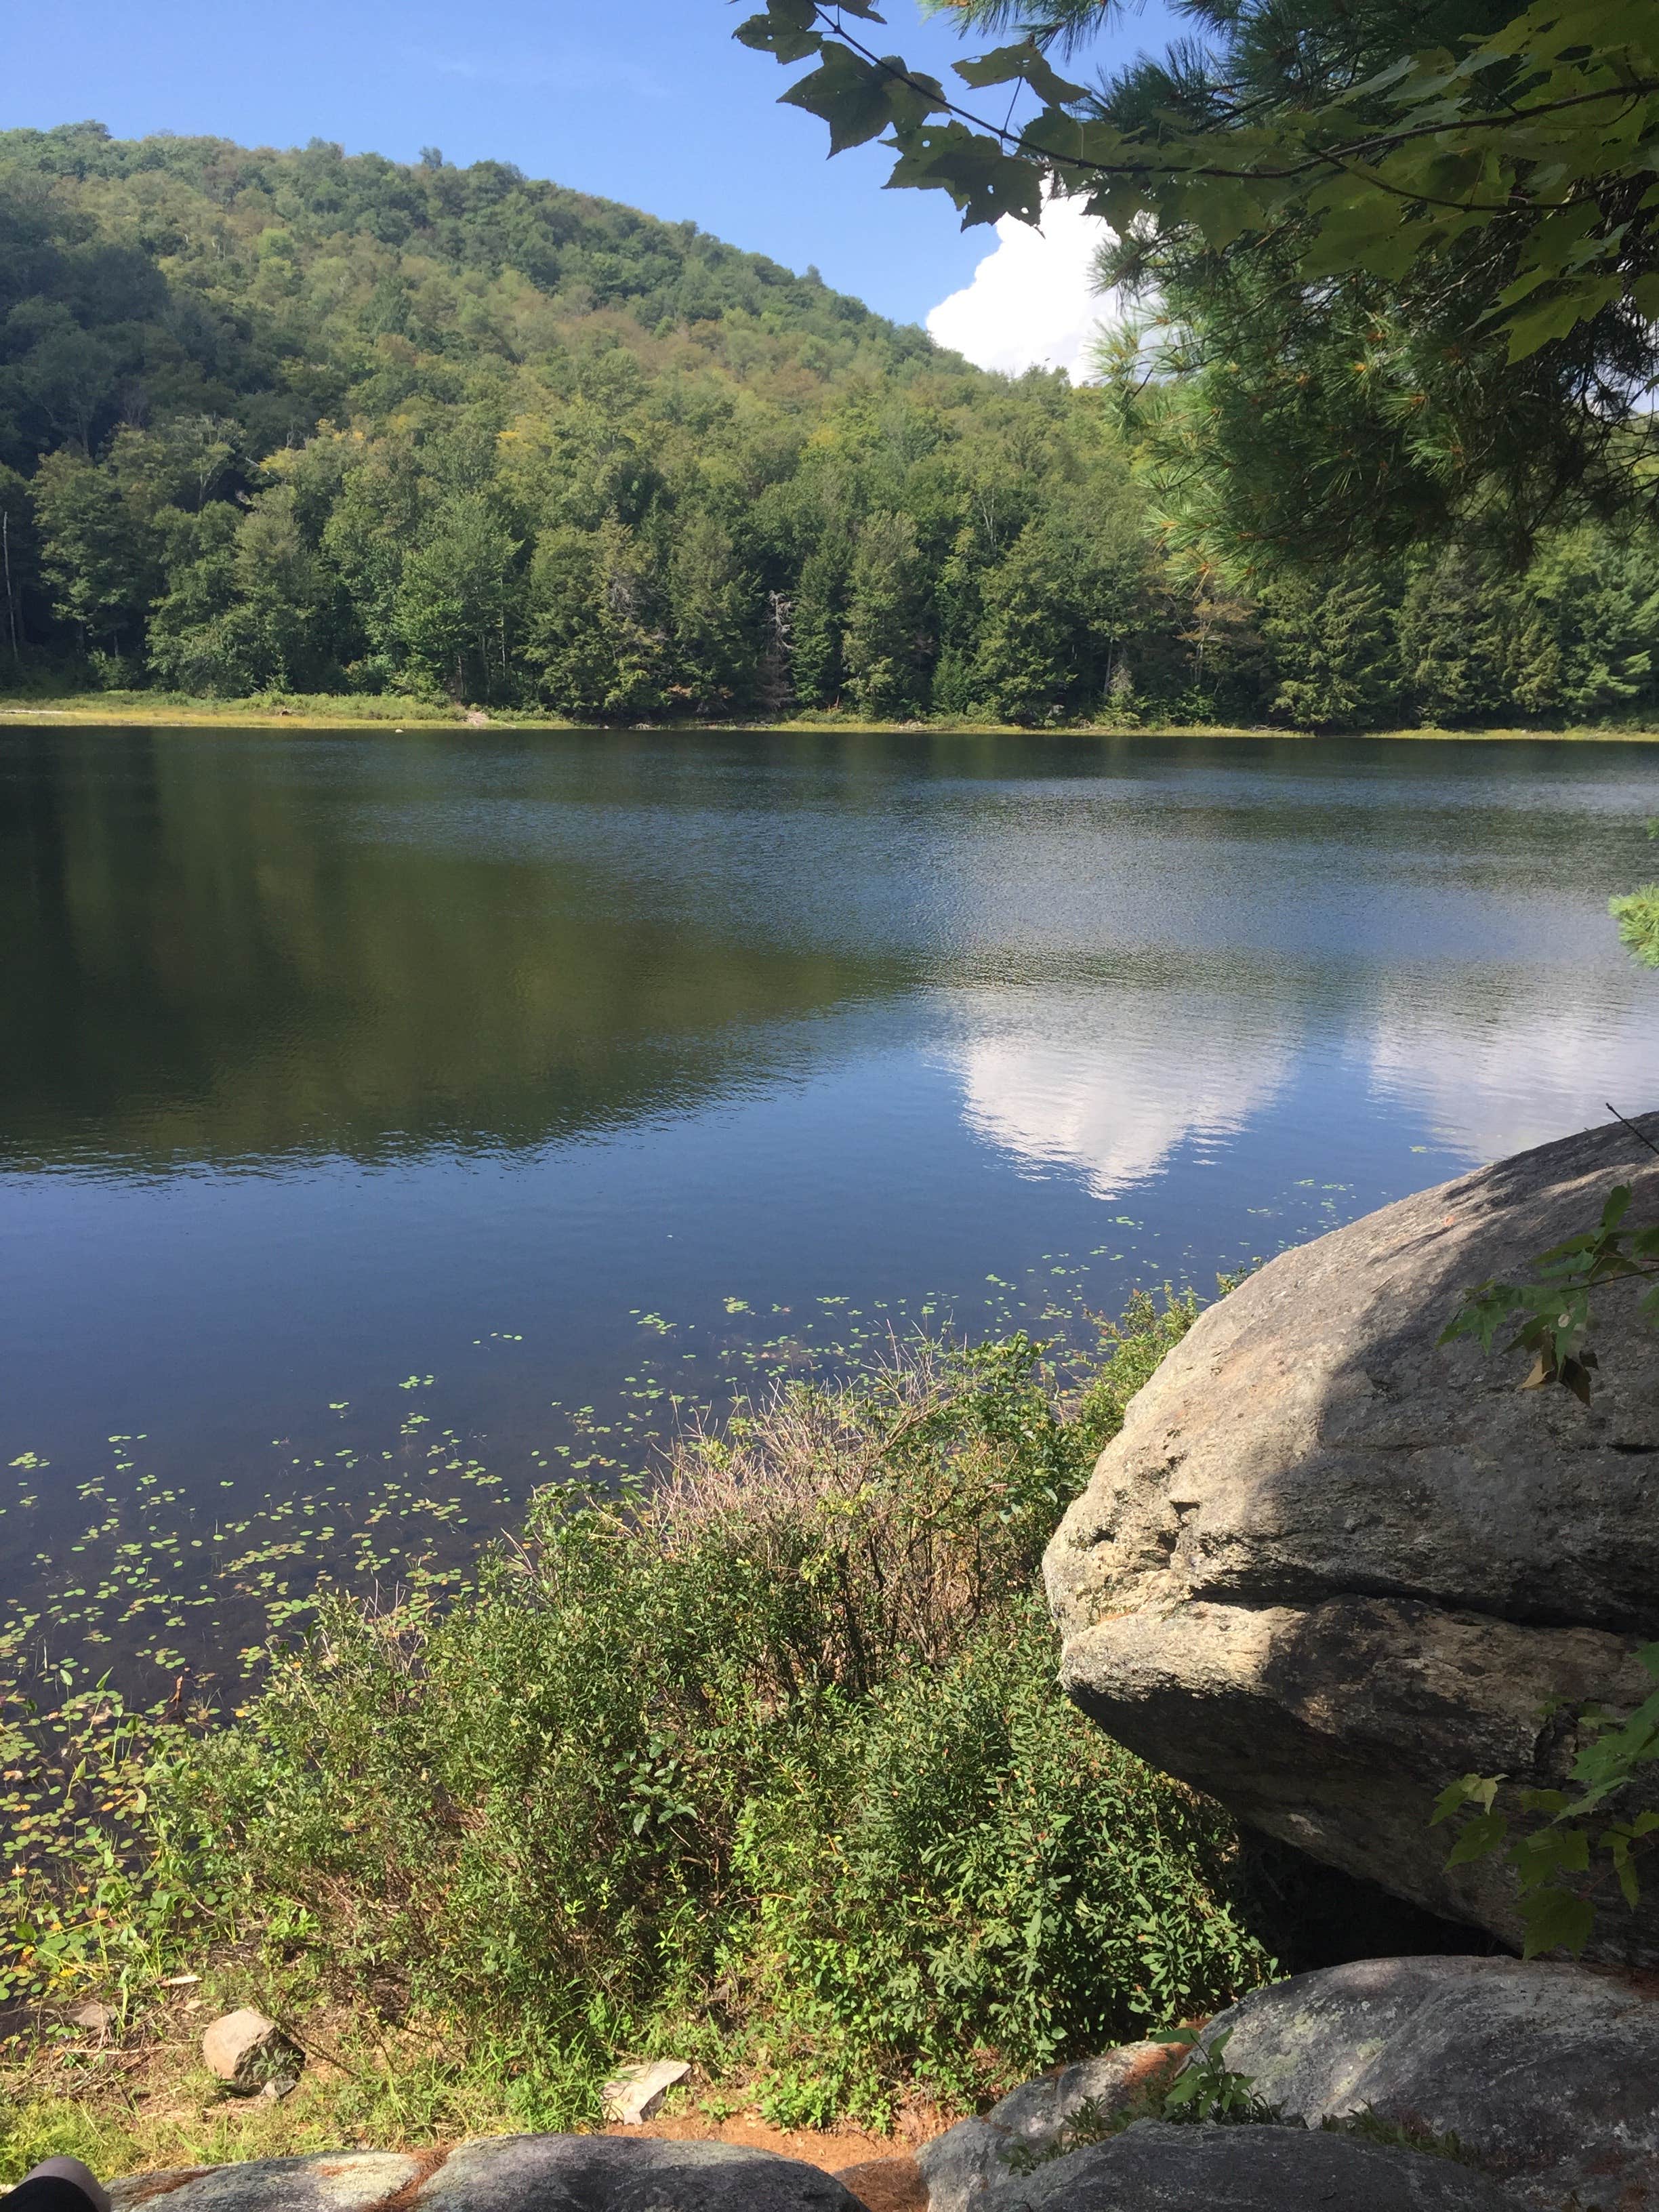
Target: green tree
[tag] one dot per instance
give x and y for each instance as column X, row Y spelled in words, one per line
column 456, row 606
column 711, row 604
column 22, row 600
column 596, row 639
column 95, row 552
column 247, row 606
column 817, row 619
column 882, row 644
column 1336, row 648
column 1589, row 626
column 1058, row 613
column 1457, row 631
column 1448, row 207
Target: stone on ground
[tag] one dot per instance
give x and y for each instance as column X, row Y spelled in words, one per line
column 1547, row 2074
column 970, row 2159
column 635, row 2095
column 504, row 2173
column 249, row 2051
column 1153, row 2166
column 1330, row 1564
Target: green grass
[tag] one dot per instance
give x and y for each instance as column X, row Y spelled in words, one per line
column 370, row 710
column 766, row 1767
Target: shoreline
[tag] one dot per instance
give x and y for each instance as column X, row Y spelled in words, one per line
column 408, row 720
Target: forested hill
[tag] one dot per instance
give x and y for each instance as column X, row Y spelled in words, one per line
column 172, row 276
column 291, row 422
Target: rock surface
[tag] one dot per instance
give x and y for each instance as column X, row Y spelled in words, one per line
column 1547, row 2076
column 636, row 2093
column 1152, row 2167
column 967, row 2161
column 1330, row 1564
column 250, row 2052
column 504, row 2174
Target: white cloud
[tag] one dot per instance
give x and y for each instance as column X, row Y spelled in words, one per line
column 1108, row 1084
column 1031, row 303
column 1517, row 1074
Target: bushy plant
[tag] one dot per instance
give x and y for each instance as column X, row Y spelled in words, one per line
column 764, row 1763
column 971, row 1882
column 770, row 1763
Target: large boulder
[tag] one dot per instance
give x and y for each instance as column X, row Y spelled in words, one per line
column 503, row 2173
column 1330, row 1564
column 1152, row 2167
column 964, row 2165
column 1544, row 2074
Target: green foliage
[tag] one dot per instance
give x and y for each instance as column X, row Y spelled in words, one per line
column 444, row 434
column 1456, row 638
column 664, row 1772
column 1637, row 915
column 1336, row 648
column 1091, row 2122
column 1368, row 2126
column 1405, row 259
column 976, row 1868
column 1555, row 1305
column 1556, row 1859
column 1206, row 2091
column 104, row 1887
column 1060, row 614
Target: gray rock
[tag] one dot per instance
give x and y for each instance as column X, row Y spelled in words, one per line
column 250, row 2052
column 971, row 2158
column 1154, row 2167
column 636, row 2093
column 1330, row 1564
column 1547, row 2074
column 504, row 2174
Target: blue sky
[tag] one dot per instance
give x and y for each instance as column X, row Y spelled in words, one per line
column 647, row 102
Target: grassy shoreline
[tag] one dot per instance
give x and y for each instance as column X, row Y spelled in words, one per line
column 647, row 1784
column 403, row 716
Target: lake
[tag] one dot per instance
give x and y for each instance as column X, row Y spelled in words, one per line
column 389, row 1122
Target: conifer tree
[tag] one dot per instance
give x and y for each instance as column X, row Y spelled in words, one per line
column 1456, row 637
column 884, row 643
column 816, row 666
column 1335, row 645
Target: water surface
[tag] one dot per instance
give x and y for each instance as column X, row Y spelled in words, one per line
column 560, row 1069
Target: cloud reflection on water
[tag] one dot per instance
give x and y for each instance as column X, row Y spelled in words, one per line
column 1112, row 1083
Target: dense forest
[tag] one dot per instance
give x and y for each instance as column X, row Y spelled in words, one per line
column 280, row 422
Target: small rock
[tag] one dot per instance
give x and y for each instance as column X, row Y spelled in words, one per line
column 249, row 2051
column 97, row 2017
column 637, row 2094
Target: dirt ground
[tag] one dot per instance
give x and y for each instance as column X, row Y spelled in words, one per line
column 880, row 2171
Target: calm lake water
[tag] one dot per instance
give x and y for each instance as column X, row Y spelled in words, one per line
column 370, row 1107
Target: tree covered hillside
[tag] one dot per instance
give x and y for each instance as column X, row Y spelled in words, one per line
column 295, row 421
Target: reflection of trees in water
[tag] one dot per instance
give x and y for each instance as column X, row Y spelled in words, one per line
column 245, row 947
column 207, row 961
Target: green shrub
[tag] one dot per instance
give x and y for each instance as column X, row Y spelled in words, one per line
column 973, row 1882
column 766, row 1764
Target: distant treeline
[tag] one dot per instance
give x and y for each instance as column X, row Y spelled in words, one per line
column 296, row 422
